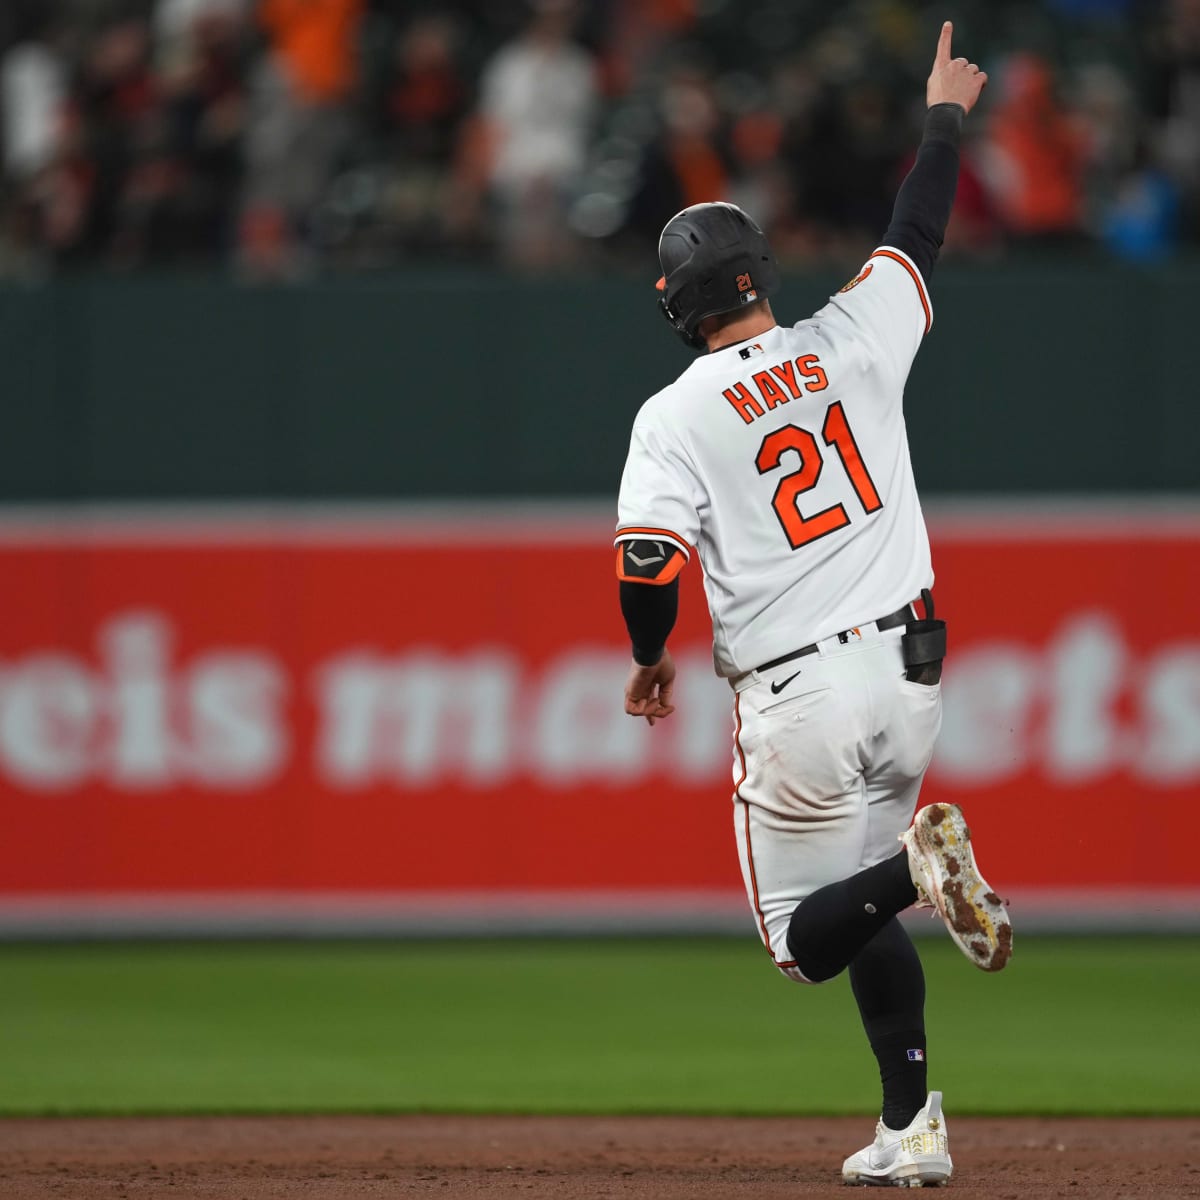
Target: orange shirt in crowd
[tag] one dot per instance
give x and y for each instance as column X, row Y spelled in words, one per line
column 1043, row 152
column 317, row 40
column 699, row 169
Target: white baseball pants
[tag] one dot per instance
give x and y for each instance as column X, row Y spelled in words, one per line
column 829, row 753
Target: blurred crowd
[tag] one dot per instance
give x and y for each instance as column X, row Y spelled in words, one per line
column 279, row 136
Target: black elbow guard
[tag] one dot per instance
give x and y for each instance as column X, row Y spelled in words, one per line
column 650, row 562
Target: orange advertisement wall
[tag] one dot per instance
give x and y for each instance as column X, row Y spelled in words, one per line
column 423, row 704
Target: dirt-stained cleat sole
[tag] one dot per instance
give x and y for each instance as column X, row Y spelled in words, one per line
column 942, row 864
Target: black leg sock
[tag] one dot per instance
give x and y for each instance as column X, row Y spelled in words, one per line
column 829, row 928
column 889, row 986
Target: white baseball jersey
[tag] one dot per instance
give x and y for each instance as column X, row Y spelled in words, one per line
column 784, row 461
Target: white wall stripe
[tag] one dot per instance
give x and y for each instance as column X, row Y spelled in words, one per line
column 564, row 521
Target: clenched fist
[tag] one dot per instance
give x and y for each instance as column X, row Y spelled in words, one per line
column 953, row 80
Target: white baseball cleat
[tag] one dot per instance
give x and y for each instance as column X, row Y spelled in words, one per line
column 942, row 865
column 918, row 1156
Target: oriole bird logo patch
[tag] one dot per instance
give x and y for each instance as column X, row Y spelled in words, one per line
column 856, row 280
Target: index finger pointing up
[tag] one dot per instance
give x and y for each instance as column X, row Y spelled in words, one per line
column 943, row 50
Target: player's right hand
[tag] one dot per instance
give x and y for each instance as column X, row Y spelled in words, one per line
column 953, row 80
column 648, row 689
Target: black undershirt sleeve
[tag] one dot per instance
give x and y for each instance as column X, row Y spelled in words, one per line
column 649, row 611
column 926, row 196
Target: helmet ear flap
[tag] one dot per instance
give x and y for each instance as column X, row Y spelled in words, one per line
column 694, row 340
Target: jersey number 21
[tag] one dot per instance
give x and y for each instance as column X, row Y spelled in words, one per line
column 801, row 530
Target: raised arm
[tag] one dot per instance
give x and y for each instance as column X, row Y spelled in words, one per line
column 926, row 196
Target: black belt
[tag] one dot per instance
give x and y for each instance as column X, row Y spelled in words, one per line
column 900, row 617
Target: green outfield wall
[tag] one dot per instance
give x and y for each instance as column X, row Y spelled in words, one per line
column 1035, row 378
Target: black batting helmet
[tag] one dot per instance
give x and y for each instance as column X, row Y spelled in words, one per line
column 714, row 259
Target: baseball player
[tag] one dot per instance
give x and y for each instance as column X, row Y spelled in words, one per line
column 780, row 455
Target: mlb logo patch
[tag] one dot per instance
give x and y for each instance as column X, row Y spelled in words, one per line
column 916, row 1056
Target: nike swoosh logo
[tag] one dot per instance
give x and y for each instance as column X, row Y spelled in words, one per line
column 776, row 688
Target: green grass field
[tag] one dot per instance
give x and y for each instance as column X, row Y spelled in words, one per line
column 689, row 1025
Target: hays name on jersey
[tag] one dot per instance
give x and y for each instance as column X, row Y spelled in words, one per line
column 777, row 385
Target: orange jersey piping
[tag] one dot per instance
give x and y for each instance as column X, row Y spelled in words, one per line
column 762, row 920
column 631, row 532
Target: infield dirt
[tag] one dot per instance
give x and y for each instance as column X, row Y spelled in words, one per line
column 566, row 1157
